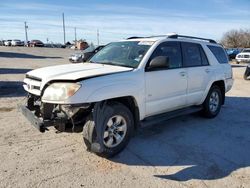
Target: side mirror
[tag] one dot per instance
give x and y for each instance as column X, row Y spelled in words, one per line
column 159, row 62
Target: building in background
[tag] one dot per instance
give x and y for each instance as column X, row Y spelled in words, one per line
column 81, row 44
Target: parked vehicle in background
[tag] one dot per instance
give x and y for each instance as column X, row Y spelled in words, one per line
column 243, row 56
column 247, row 73
column 85, row 55
column 17, row 42
column 54, row 45
column 7, row 42
column 76, row 57
column 1, row 42
column 232, row 53
column 36, row 43
column 127, row 84
column 68, row 45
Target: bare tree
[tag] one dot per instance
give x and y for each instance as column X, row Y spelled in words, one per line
column 236, row 38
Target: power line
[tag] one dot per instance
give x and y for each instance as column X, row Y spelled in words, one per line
column 64, row 38
column 75, row 36
column 26, row 33
column 98, row 37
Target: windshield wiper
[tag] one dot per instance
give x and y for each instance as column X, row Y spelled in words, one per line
column 92, row 62
column 115, row 64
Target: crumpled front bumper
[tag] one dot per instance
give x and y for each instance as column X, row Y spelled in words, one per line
column 40, row 123
column 33, row 119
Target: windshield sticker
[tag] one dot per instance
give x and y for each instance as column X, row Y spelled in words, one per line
column 146, row 43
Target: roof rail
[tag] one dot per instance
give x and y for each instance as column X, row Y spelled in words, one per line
column 134, row 37
column 166, row 35
column 190, row 37
column 152, row 36
column 176, row 36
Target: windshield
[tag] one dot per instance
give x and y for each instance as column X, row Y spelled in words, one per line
column 127, row 54
column 247, row 50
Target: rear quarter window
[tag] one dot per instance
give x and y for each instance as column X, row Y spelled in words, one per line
column 219, row 53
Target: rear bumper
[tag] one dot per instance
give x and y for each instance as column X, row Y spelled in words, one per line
column 228, row 84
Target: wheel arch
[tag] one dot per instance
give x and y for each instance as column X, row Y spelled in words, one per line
column 221, row 85
column 131, row 103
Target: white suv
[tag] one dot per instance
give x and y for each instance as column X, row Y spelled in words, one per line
column 243, row 56
column 128, row 84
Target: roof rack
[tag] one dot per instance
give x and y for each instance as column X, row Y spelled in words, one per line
column 176, row 36
column 134, row 37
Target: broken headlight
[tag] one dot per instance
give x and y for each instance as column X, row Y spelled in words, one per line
column 60, row 91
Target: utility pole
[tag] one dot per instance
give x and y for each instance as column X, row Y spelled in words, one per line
column 64, row 39
column 98, row 37
column 75, row 36
column 26, row 34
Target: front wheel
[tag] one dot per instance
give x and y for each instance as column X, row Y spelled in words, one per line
column 213, row 102
column 117, row 126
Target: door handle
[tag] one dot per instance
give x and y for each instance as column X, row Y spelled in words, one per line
column 183, row 73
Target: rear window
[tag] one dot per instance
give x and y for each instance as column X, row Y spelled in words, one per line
column 246, row 50
column 219, row 53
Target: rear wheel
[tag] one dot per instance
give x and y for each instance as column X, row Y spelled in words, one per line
column 213, row 102
column 117, row 126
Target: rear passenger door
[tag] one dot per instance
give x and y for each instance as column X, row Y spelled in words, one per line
column 198, row 70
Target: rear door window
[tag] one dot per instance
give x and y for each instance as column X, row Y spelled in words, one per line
column 219, row 53
column 203, row 57
column 191, row 54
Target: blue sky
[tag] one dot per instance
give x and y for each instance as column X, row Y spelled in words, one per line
column 120, row 19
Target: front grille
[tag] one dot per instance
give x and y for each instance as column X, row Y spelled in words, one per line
column 33, row 78
column 32, row 84
column 36, row 87
column 246, row 56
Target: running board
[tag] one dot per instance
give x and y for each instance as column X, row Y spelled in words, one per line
column 169, row 115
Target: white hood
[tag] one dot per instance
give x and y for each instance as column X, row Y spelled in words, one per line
column 244, row 53
column 75, row 71
column 69, row 72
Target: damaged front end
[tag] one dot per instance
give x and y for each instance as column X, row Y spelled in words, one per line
column 64, row 117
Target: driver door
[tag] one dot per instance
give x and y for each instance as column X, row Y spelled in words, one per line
column 166, row 89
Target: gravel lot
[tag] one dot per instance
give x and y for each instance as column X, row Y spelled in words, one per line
column 188, row 151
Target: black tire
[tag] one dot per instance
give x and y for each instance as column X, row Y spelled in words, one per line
column 90, row 134
column 207, row 111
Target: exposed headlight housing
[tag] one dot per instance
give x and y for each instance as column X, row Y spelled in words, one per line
column 60, row 91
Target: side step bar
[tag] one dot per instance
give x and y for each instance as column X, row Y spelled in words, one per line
column 169, row 115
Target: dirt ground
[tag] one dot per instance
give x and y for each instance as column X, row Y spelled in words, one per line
column 188, row 151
